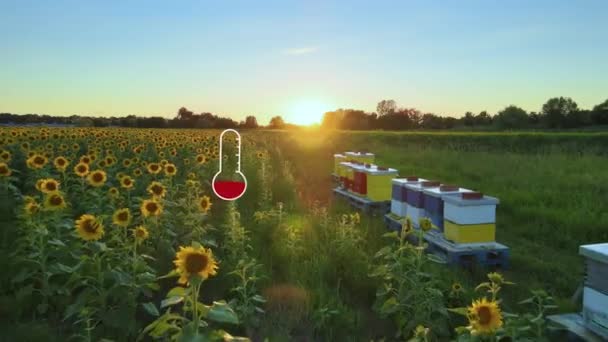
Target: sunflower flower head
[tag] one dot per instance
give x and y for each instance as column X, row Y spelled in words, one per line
column 127, row 182
column 151, row 207
column 54, row 201
column 89, row 227
column 49, row 185
column 204, row 204
column 36, row 161
column 31, row 208
column 61, row 163
column 157, row 189
column 484, row 317
column 170, row 169
column 425, row 224
column 140, row 234
column 122, row 217
column 5, row 171
column 194, row 261
column 81, row 169
column 97, row 178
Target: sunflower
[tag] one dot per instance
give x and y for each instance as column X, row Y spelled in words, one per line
column 113, row 192
column 49, row 185
column 122, row 217
column 484, row 317
column 36, row 161
column 140, row 234
column 407, row 227
column 86, row 159
column 5, row 171
column 81, row 169
column 457, row 288
column 156, row 189
column 154, row 168
column 126, row 162
column 5, row 156
column 425, row 224
column 151, row 208
column 61, row 163
column 97, row 178
column 137, row 172
column 31, row 208
column 127, row 182
column 170, row 169
column 204, row 204
column 89, row 228
column 194, row 261
column 201, row 159
column 54, row 201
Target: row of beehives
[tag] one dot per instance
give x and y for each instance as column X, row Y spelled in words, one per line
column 462, row 215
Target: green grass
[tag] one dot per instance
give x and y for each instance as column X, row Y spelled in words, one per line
column 551, row 187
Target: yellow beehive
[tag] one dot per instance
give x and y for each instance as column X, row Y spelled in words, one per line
column 469, row 233
column 350, row 176
column 361, row 157
column 338, row 158
column 379, row 183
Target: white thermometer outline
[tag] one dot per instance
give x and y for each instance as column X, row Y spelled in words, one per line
column 238, row 168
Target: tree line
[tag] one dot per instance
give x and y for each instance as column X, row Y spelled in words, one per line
column 556, row 113
column 183, row 119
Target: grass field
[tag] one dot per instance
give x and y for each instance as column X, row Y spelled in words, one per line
column 293, row 264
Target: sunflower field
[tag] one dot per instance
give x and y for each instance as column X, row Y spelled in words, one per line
column 113, row 234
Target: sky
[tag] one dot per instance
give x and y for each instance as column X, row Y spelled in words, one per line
column 298, row 59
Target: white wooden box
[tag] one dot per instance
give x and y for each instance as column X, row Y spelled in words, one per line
column 470, row 211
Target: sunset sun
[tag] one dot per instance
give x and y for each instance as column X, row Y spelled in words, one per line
column 307, row 112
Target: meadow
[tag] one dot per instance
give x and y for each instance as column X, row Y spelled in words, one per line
column 116, row 234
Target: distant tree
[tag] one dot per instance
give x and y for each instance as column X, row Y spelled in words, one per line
column 332, row 120
column 385, row 107
column 483, row 119
column 512, row 117
column 276, row 122
column 431, row 121
column 599, row 114
column 555, row 111
column 250, row 122
column 468, row 119
column 534, row 119
column 355, row 120
column 184, row 114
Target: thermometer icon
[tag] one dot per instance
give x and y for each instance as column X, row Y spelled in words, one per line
column 229, row 185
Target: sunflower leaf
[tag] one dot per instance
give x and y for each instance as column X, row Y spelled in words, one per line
column 151, row 309
column 171, row 301
column 222, row 312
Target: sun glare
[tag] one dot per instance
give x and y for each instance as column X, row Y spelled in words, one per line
column 307, row 112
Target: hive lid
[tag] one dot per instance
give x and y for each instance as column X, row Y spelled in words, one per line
column 359, row 154
column 597, row 252
column 374, row 170
column 437, row 191
column 339, row 155
column 404, row 180
column 459, row 201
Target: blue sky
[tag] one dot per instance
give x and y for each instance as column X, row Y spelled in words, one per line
column 237, row 58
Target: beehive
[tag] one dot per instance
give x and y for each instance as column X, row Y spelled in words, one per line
column 415, row 200
column 595, row 292
column 398, row 198
column 470, row 218
column 433, row 202
column 359, row 179
column 344, row 170
column 338, row 158
column 379, row 182
column 361, row 157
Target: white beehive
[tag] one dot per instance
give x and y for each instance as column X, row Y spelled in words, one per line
column 595, row 292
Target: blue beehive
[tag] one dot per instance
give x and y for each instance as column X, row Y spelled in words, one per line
column 433, row 202
column 415, row 200
column 398, row 195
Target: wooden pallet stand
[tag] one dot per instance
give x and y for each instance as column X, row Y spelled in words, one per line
column 363, row 204
column 571, row 327
column 492, row 255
